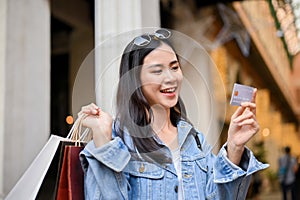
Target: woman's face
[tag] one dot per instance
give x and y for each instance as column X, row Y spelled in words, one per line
column 161, row 77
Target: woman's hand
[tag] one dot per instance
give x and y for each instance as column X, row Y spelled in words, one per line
column 242, row 128
column 99, row 122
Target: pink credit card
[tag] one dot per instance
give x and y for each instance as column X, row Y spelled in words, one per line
column 241, row 93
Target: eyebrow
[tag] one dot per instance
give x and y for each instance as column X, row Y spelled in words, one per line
column 161, row 65
column 174, row 62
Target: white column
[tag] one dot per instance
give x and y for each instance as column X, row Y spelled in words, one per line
column 111, row 18
column 2, row 88
column 150, row 14
column 27, row 86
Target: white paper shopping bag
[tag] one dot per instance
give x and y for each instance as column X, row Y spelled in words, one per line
column 29, row 184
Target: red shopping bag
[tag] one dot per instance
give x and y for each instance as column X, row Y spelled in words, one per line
column 70, row 185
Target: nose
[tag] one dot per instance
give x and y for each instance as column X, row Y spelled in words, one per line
column 169, row 76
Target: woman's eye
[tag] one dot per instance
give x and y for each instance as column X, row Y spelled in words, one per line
column 159, row 71
column 175, row 68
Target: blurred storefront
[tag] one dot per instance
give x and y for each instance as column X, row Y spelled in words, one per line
column 251, row 42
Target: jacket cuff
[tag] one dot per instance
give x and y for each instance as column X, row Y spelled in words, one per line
column 226, row 171
column 114, row 154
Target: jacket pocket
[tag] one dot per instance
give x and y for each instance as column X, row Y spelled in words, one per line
column 146, row 180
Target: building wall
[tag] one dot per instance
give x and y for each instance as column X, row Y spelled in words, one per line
column 2, row 89
column 263, row 24
column 295, row 81
column 25, row 89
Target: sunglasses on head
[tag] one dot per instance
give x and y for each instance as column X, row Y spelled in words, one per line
column 145, row 39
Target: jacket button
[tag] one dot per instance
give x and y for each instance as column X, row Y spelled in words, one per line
column 176, row 188
column 187, row 175
column 142, row 168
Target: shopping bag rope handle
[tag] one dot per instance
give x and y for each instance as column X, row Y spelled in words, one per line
column 75, row 134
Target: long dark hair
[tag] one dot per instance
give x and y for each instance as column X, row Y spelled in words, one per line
column 133, row 110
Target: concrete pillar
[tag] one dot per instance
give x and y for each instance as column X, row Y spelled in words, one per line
column 25, row 88
column 130, row 15
column 2, row 88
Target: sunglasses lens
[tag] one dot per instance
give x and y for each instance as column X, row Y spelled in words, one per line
column 142, row 40
column 162, row 34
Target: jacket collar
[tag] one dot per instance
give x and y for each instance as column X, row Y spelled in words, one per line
column 183, row 128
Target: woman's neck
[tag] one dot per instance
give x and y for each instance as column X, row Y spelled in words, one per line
column 161, row 119
column 163, row 126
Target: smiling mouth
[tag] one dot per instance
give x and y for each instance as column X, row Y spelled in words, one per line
column 168, row 90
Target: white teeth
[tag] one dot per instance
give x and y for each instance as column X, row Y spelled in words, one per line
column 169, row 90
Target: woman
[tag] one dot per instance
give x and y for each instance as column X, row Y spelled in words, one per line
column 151, row 151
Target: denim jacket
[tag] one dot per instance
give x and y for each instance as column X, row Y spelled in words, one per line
column 112, row 173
